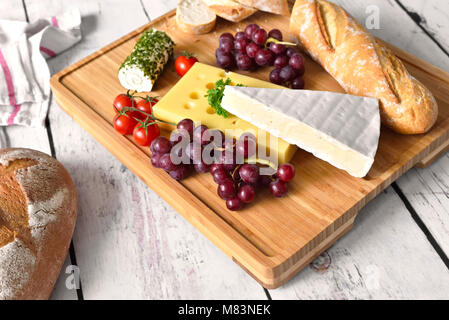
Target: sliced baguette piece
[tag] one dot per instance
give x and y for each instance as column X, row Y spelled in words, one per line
column 230, row 10
column 272, row 6
column 195, row 17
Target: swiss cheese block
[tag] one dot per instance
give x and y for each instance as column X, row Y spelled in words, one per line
column 339, row 128
column 187, row 100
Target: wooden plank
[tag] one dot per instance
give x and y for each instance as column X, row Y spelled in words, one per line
column 357, row 261
column 303, row 233
column 428, row 190
column 129, row 242
column 34, row 138
column 385, row 256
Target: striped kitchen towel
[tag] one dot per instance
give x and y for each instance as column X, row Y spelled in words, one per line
column 24, row 73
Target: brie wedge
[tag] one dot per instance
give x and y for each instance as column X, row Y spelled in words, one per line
column 341, row 129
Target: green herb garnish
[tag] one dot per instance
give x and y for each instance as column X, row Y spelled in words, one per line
column 215, row 95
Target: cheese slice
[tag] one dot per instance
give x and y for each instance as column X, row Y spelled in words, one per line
column 341, row 129
column 186, row 99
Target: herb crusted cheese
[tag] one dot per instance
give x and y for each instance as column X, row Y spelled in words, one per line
column 146, row 62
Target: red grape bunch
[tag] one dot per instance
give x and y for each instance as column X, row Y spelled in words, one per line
column 256, row 48
column 237, row 184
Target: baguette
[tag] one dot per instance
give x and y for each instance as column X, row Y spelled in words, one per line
column 37, row 216
column 193, row 16
column 362, row 65
column 272, row 6
column 230, row 10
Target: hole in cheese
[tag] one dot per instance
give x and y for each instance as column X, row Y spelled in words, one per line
column 194, row 95
column 210, row 85
column 210, row 110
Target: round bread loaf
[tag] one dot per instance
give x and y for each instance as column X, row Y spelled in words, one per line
column 38, row 208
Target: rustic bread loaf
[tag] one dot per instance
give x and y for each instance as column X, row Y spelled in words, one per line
column 37, row 216
column 362, row 65
column 272, row 6
column 195, row 17
column 230, row 10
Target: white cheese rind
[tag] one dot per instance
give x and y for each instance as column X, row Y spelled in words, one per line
column 341, row 129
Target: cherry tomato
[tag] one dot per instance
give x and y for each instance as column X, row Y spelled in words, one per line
column 184, row 63
column 145, row 105
column 124, row 124
column 122, row 101
column 144, row 135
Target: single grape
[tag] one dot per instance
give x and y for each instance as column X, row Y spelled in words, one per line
column 259, row 37
column 247, row 146
column 161, row 145
column 252, row 49
column 220, row 52
column 201, row 167
column 250, row 30
column 226, row 190
column 234, row 204
column 155, row 160
column 277, row 48
column 287, row 73
column 240, row 35
column 226, row 61
column 199, row 135
column 264, row 57
column 279, row 188
column 220, row 176
column 298, row 83
column 281, row 61
column 228, row 159
column 249, row 173
column 286, row 172
column 180, row 172
column 275, row 76
column 215, row 167
column 166, row 163
column 187, row 125
column 275, row 33
column 226, row 37
column 226, row 46
column 296, row 62
column 244, row 62
column 290, row 51
column 246, row 193
column 240, row 45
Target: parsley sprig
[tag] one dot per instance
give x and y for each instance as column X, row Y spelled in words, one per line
column 215, row 95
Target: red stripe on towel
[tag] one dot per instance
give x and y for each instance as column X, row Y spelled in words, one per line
column 10, row 86
column 48, row 52
column 54, row 22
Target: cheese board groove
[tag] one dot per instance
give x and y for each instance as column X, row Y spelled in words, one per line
column 273, row 238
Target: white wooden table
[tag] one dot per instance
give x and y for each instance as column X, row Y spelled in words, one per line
column 129, row 243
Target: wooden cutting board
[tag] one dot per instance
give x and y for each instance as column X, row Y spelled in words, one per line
column 271, row 239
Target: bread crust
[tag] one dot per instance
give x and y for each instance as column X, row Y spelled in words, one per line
column 38, row 206
column 273, row 6
column 230, row 10
column 362, row 65
column 196, row 29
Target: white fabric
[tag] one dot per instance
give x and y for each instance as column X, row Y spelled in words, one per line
column 24, row 74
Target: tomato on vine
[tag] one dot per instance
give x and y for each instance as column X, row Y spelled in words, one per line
column 146, row 107
column 184, row 62
column 124, row 123
column 123, row 100
column 145, row 132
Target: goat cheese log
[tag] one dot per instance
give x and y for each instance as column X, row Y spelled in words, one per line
column 362, row 65
column 146, row 62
